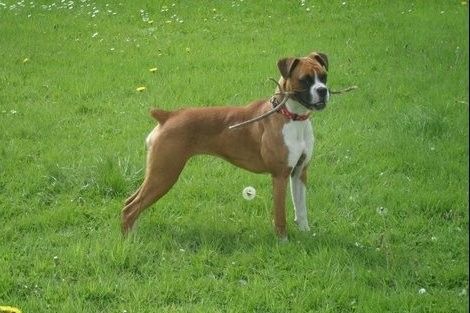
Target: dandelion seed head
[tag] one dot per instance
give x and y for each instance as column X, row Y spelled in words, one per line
column 249, row 193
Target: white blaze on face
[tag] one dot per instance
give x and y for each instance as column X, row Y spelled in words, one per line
column 314, row 90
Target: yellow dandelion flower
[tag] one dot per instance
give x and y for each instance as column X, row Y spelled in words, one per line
column 9, row 309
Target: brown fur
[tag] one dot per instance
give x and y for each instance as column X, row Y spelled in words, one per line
column 257, row 147
column 185, row 133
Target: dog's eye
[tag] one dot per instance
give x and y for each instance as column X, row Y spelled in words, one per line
column 306, row 80
column 322, row 78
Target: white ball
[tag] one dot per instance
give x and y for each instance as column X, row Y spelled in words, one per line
column 249, row 193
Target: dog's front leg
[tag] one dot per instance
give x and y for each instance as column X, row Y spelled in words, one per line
column 298, row 190
column 279, row 197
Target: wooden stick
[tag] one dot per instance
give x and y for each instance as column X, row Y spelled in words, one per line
column 284, row 100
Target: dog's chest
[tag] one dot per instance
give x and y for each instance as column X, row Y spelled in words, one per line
column 298, row 138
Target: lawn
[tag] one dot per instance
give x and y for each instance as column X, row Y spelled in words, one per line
column 388, row 184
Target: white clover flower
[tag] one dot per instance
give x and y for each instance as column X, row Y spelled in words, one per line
column 249, row 193
column 382, row 211
column 422, row 291
column 359, row 245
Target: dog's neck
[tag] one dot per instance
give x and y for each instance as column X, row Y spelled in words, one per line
column 296, row 108
column 292, row 105
column 291, row 109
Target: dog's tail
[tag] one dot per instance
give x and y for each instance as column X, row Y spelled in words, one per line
column 160, row 115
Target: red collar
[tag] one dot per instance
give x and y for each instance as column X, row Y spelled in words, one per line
column 293, row 116
column 284, row 111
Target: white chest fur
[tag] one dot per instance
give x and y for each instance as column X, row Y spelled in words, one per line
column 298, row 137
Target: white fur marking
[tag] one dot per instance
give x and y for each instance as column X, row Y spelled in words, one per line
column 314, row 93
column 298, row 137
column 298, row 191
column 296, row 108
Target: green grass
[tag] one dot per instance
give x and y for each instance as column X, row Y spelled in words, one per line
column 72, row 127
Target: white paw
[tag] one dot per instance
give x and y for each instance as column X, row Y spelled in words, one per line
column 303, row 225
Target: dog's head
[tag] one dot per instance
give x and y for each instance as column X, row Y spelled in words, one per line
column 305, row 78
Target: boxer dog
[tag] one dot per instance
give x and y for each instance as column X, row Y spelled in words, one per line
column 281, row 144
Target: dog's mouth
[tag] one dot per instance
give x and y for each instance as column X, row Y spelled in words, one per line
column 318, row 106
column 315, row 106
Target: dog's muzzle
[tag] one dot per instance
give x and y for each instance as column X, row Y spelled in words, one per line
column 318, row 104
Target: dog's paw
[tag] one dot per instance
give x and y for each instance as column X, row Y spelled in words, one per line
column 283, row 240
column 303, row 225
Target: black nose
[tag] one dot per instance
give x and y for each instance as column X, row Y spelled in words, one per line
column 322, row 91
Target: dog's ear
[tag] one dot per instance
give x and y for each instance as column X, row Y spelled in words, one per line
column 321, row 58
column 286, row 66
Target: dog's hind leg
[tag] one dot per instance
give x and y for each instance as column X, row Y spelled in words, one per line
column 163, row 169
column 129, row 200
column 148, row 144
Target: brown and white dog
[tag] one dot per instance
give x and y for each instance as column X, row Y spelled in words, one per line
column 280, row 144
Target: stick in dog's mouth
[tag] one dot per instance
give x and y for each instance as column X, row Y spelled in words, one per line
column 283, row 102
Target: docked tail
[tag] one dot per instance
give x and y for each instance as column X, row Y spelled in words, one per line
column 160, row 115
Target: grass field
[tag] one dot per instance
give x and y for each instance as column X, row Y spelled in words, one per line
column 388, row 187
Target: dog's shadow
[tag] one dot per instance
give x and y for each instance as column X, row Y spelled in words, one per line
column 218, row 238
column 193, row 238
